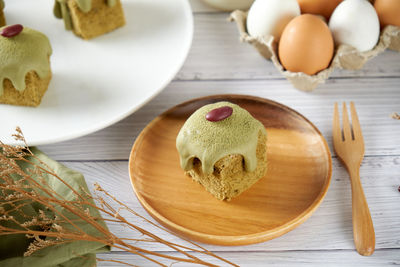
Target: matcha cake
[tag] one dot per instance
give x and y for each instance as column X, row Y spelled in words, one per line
column 24, row 65
column 90, row 18
column 222, row 147
column 2, row 18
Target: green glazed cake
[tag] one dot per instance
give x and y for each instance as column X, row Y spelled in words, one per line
column 90, row 18
column 224, row 153
column 24, row 65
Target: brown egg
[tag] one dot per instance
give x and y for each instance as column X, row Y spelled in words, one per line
column 306, row 45
column 388, row 12
column 318, row 7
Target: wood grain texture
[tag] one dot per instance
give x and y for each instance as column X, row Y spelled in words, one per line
column 219, row 64
column 217, row 54
column 298, row 176
column 348, row 143
column 330, row 228
column 387, row 257
column 375, row 98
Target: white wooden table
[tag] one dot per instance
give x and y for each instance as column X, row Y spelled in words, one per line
column 219, row 64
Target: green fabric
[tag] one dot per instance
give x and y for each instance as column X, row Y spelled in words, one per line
column 75, row 253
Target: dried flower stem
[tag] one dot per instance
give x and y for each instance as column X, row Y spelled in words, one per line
column 31, row 187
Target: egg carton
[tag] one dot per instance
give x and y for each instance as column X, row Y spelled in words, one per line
column 345, row 57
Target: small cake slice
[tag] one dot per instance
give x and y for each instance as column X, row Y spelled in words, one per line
column 90, row 18
column 2, row 18
column 24, row 65
column 223, row 147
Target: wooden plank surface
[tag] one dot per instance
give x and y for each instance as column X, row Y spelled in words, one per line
column 343, row 258
column 219, row 64
column 375, row 99
column 217, row 54
column 329, row 228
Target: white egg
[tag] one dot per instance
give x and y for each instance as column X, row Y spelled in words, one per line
column 355, row 23
column 269, row 17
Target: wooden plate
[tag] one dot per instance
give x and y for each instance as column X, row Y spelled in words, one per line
column 298, row 177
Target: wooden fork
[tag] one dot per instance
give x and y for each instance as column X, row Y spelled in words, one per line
column 349, row 146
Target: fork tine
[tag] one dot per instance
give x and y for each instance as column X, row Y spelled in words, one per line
column 337, row 135
column 346, row 124
column 355, row 122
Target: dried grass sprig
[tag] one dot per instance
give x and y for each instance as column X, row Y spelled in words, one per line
column 395, row 116
column 20, row 188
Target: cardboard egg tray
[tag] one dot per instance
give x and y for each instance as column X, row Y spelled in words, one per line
column 345, row 57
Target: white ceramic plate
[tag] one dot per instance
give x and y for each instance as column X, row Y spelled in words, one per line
column 99, row 82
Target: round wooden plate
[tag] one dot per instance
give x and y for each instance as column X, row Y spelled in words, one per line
column 298, row 177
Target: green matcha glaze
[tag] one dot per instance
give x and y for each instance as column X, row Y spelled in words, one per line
column 210, row 141
column 61, row 9
column 29, row 50
column 84, row 5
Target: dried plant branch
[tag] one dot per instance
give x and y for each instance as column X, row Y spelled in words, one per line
column 20, row 188
column 395, row 116
column 116, row 261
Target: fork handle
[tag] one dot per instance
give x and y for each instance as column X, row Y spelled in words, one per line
column 363, row 228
